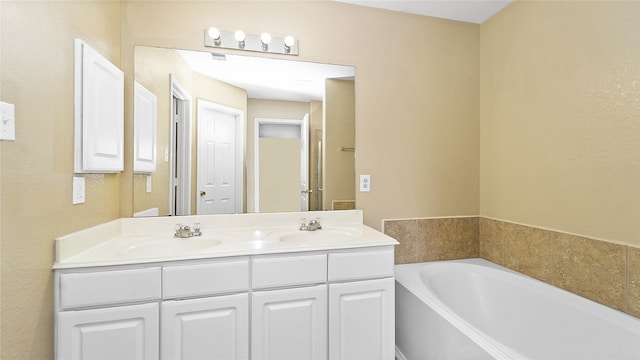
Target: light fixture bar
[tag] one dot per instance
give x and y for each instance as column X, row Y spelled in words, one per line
column 227, row 40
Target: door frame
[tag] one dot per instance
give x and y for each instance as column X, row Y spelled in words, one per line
column 181, row 174
column 240, row 146
column 304, row 154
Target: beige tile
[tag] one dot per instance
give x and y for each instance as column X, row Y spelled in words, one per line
column 436, row 239
column 447, row 239
column 591, row 268
column 406, row 232
column 528, row 250
column 468, row 241
column 633, row 281
column 490, row 240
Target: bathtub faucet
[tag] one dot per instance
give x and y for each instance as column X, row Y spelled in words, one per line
column 313, row 224
column 185, row 231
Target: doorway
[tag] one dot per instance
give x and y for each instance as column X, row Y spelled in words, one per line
column 179, row 154
column 281, row 165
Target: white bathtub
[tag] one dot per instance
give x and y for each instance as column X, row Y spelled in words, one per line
column 474, row 309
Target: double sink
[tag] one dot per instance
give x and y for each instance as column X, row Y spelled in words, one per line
column 249, row 239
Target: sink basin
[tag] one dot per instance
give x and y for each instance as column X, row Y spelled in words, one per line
column 168, row 245
column 324, row 236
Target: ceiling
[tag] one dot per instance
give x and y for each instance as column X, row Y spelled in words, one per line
column 473, row 11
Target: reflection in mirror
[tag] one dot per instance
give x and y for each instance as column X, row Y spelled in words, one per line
column 241, row 134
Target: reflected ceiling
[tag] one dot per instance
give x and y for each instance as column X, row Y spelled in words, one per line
column 265, row 78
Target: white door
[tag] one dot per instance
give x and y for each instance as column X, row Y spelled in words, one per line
column 361, row 320
column 219, row 168
column 124, row 333
column 209, row 328
column 289, row 324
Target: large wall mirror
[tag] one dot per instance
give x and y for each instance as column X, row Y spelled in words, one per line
column 220, row 133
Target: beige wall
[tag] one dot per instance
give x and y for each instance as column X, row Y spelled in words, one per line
column 279, row 174
column 559, row 124
column 36, row 169
column 417, row 112
column 339, row 128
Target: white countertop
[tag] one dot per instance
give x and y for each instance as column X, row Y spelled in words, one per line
column 144, row 240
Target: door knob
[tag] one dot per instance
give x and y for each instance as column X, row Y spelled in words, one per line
column 306, row 191
column 203, row 193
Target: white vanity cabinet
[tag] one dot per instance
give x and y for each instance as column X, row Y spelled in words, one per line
column 289, row 307
column 334, row 304
column 361, row 305
column 214, row 324
column 99, row 315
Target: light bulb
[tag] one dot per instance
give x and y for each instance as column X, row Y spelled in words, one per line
column 239, row 35
column 265, row 38
column 214, row 33
column 289, row 41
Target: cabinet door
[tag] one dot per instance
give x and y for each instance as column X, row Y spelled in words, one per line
column 208, row 328
column 125, row 332
column 99, row 108
column 361, row 320
column 289, row 324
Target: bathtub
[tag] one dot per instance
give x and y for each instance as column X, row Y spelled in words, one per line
column 474, row 309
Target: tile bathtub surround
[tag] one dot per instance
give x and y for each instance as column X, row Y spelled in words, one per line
column 602, row 271
column 434, row 239
column 633, row 281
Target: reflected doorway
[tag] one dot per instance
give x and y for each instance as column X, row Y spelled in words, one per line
column 282, row 165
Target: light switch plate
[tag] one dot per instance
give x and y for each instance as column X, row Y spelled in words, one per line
column 7, row 121
column 149, row 182
column 365, row 183
column 78, row 190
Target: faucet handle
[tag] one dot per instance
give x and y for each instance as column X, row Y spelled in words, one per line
column 196, row 229
column 303, row 224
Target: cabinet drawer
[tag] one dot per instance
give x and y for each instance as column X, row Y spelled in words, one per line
column 205, row 279
column 361, row 265
column 289, row 270
column 109, row 287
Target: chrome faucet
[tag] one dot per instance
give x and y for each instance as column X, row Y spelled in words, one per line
column 185, row 231
column 313, row 224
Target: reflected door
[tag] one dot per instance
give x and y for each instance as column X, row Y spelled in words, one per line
column 218, row 183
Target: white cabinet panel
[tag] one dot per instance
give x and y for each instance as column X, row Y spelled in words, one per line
column 124, row 333
column 273, row 271
column 209, row 328
column 361, row 320
column 99, row 112
column 289, row 324
column 145, row 118
column 205, row 279
column 99, row 288
column 356, row 265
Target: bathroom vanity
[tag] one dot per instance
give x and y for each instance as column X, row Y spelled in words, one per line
column 249, row 287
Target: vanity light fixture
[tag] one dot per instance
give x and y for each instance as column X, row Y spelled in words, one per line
column 238, row 40
column 215, row 35
column 265, row 38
